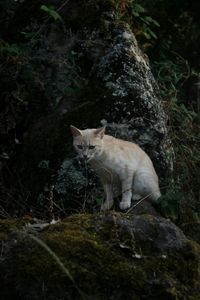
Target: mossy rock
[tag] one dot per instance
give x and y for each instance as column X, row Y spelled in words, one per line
column 87, row 70
column 101, row 256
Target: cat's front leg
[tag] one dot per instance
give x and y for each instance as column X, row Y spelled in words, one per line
column 126, row 193
column 109, row 197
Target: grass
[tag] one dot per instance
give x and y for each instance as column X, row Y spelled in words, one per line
column 182, row 109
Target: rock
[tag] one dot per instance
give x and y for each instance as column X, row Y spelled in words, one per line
column 136, row 112
column 85, row 73
column 192, row 230
column 155, row 233
column 99, row 256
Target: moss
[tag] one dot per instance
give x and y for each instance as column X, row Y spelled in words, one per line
column 84, row 255
column 90, row 248
column 89, row 256
column 8, row 225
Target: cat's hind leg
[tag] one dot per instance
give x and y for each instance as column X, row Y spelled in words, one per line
column 136, row 197
column 146, row 184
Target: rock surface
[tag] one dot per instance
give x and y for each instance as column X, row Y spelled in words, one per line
column 85, row 71
column 99, row 256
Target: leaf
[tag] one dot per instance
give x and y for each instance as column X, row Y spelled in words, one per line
column 27, row 34
column 11, row 48
column 136, row 14
column 51, row 11
column 151, row 33
column 139, row 8
column 147, row 36
column 147, row 20
column 155, row 23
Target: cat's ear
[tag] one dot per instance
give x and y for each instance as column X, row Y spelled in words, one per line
column 100, row 132
column 75, row 131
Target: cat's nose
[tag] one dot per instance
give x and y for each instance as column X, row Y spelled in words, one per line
column 85, row 156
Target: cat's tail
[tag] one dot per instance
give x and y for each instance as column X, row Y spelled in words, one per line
column 146, row 184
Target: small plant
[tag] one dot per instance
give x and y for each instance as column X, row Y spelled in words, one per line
column 51, row 11
column 11, row 48
column 143, row 21
column 171, row 74
column 143, row 25
column 168, row 204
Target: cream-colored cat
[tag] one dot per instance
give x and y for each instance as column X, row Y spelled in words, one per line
column 118, row 163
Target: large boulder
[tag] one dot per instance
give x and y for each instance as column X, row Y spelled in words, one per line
column 99, row 256
column 88, row 71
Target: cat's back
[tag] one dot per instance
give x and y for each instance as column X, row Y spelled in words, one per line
column 125, row 151
column 119, row 144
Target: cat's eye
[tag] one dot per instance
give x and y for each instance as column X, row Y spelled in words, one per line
column 80, row 146
column 91, row 147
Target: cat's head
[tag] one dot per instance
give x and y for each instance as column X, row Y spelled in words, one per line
column 89, row 142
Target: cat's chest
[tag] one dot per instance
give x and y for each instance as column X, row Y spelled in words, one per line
column 107, row 166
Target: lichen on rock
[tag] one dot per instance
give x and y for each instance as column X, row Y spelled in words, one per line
column 125, row 72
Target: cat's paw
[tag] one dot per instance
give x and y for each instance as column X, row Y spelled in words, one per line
column 106, row 206
column 124, row 205
column 136, row 197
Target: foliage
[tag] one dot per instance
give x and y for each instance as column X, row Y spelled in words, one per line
column 184, row 129
column 179, row 90
column 11, row 48
column 168, row 204
column 143, row 21
column 138, row 17
column 50, row 10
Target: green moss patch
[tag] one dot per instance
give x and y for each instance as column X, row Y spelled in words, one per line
column 85, row 257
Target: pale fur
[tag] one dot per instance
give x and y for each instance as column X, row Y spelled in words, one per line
column 119, row 164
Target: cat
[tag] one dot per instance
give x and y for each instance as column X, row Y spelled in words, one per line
column 118, row 163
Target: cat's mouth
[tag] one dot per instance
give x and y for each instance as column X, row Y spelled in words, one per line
column 88, row 159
